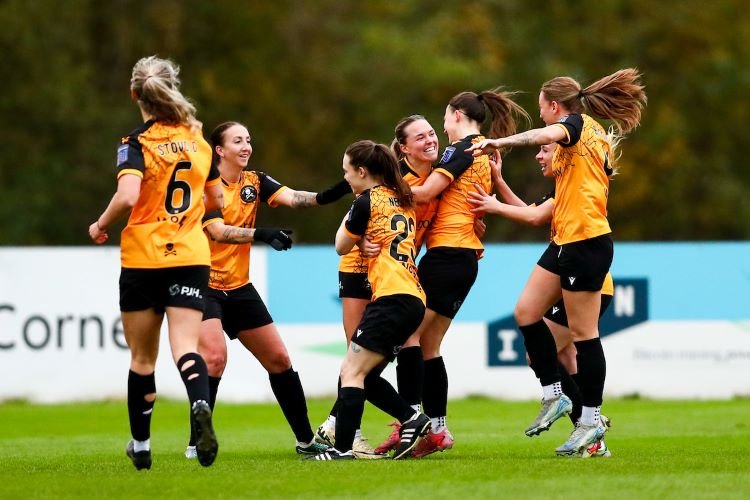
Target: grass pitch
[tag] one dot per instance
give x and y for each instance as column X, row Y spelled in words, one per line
column 661, row 449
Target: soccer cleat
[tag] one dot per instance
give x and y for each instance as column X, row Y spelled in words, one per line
column 326, row 434
column 599, row 449
column 332, row 454
column 432, row 442
column 311, row 449
column 206, row 445
column 392, row 441
column 596, row 450
column 141, row 459
column 362, row 449
column 412, row 431
column 581, row 438
column 551, row 410
column 190, row 452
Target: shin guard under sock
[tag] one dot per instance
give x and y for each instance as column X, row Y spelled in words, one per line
column 139, row 409
column 540, row 345
column 287, row 388
column 592, row 371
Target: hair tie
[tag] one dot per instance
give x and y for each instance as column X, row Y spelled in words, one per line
column 580, row 94
column 480, row 97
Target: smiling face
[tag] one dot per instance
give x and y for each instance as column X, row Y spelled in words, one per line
column 355, row 176
column 421, row 143
column 235, row 148
column 544, row 157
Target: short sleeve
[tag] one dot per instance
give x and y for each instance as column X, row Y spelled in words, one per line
column 268, row 187
column 573, row 124
column 130, row 157
column 359, row 215
column 455, row 159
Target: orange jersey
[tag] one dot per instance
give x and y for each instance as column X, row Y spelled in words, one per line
column 230, row 263
column 174, row 164
column 425, row 212
column 353, row 262
column 581, row 169
column 453, row 225
column 376, row 213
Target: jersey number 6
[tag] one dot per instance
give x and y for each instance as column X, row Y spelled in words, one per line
column 175, row 185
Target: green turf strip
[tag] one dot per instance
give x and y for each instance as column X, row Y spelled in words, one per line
column 661, row 449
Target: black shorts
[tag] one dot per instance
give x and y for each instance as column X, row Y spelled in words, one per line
column 388, row 322
column 557, row 313
column 157, row 289
column 354, row 286
column 446, row 275
column 581, row 265
column 239, row 309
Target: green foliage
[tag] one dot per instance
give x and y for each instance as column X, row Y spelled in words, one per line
column 308, row 78
column 661, row 449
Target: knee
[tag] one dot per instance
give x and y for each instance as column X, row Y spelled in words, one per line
column 277, row 362
column 525, row 315
column 216, row 361
column 352, row 374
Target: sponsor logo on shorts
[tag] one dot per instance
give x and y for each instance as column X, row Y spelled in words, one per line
column 187, row 291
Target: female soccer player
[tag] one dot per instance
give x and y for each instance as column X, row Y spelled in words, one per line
column 581, row 252
column 416, row 146
column 556, row 318
column 383, row 212
column 163, row 169
column 449, row 268
column 232, row 304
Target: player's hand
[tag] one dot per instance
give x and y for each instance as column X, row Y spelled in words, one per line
column 479, row 227
column 279, row 239
column 483, row 147
column 482, row 201
column 367, row 248
column 97, row 234
column 496, row 165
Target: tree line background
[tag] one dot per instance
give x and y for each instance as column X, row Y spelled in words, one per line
column 310, row 77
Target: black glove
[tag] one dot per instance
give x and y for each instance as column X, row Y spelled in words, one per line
column 333, row 193
column 279, row 239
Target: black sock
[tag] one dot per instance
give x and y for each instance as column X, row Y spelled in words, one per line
column 540, row 345
column 592, row 370
column 140, row 410
column 575, row 415
column 351, row 407
column 213, row 389
column 335, row 408
column 195, row 377
column 287, row 388
column 383, row 396
column 570, row 388
column 435, row 397
column 410, row 374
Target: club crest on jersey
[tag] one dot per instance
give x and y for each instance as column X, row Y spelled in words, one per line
column 248, row 194
column 447, row 154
